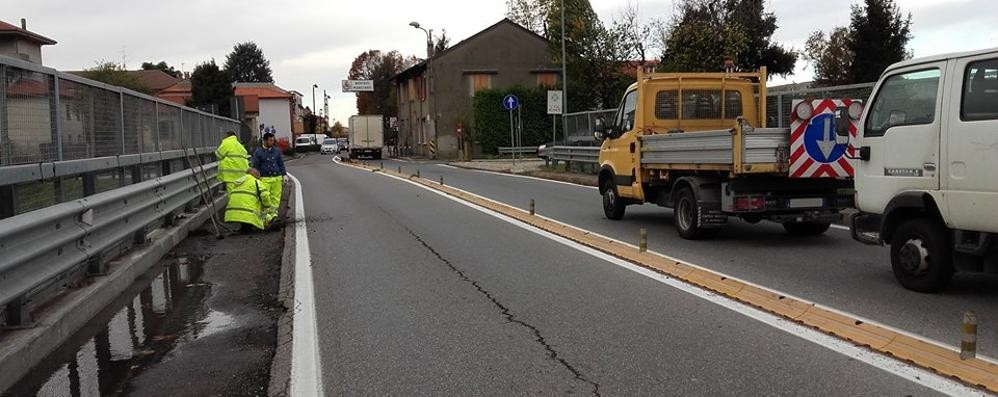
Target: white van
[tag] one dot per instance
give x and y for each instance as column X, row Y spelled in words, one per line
column 927, row 167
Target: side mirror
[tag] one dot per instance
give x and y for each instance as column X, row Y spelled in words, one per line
column 842, row 122
column 600, row 128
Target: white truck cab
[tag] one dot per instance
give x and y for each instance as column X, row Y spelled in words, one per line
column 927, row 167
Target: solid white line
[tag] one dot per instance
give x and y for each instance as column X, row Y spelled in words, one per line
column 840, row 227
column 306, row 366
column 518, row 176
column 896, row 367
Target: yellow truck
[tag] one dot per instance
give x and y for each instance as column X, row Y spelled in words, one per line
column 698, row 143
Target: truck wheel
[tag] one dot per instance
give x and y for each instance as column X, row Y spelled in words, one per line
column 921, row 256
column 806, row 228
column 613, row 205
column 686, row 217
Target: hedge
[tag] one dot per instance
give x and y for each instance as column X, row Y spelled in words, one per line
column 492, row 120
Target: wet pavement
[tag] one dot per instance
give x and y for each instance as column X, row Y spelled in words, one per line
column 201, row 322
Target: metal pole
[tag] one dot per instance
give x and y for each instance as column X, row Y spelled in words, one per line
column 519, row 131
column 5, row 150
column 511, row 139
column 121, row 119
column 58, row 120
column 564, row 74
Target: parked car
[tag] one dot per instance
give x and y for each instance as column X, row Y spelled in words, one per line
column 329, row 145
column 343, row 144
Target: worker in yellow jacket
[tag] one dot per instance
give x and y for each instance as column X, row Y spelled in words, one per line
column 248, row 201
column 233, row 160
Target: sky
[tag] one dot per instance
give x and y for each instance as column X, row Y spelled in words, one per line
column 314, row 41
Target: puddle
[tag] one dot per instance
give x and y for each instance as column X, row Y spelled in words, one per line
column 138, row 330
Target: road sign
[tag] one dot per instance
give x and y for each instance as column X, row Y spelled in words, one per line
column 358, row 85
column 510, row 102
column 814, row 152
column 555, row 102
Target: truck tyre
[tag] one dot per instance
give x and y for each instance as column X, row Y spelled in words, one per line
column 613, row 205
column 686, row 217
column 921, row 255
column 806, row 228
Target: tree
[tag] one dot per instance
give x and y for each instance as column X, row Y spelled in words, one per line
column 706, row 32
column 211, row 88
column 339, row 130
column 380, row 67
column 830, row 56
column 442, row 43
column 247, row 64
column 531, row 14
column 114, row 74
column 880, row 34
column 162, row 65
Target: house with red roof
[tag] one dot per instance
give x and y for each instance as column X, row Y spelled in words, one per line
column 19, row 42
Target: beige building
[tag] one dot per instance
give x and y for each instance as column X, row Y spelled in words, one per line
column 18, row 42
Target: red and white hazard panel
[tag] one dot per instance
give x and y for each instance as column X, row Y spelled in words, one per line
column 814, row 150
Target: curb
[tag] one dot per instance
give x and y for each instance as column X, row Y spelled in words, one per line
column 879, row 338
column 280, row 367
column 22, row 350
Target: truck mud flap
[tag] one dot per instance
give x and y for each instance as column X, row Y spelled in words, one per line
column 711, row 217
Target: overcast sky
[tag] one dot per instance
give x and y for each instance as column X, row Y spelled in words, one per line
column 314, row 41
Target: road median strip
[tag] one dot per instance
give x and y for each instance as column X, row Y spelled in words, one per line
column 918, row 351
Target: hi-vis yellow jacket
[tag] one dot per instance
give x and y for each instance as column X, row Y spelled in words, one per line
column 233, row 160
column 247, row 201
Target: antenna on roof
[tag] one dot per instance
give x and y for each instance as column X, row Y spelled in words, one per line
column 124, row 58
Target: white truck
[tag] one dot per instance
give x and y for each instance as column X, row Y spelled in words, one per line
column 367, row 136
column 927, row 171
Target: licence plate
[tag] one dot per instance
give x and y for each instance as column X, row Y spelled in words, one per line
column 805, row 203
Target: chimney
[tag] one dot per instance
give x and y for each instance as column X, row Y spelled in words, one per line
column 24, row 24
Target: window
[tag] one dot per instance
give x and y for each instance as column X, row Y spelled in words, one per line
column 625, row 117
column 547, row 79
column 479, row 82
column 904, row 99
column 980, row 91
column 421, row 87
column 412, row 90
column 701, row 104
column 667, row 105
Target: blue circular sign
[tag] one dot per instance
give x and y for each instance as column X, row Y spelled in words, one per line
column 510, row 102
column 819, row 139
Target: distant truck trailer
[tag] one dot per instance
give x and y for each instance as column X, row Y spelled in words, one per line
column 367, row 136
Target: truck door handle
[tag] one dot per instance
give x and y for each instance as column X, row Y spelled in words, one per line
column 929, row 166
column 864, row 153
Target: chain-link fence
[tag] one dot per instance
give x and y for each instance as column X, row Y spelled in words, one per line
column 60, row 119
column 779, row 103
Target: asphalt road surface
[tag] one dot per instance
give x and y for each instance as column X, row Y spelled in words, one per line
column 831, row 269
column 417, row 294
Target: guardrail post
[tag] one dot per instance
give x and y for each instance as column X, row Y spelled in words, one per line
column 96, row 265
column 16, row 313
column 531, row 206
column 7, row 206
column 89, row 184
column 136, row 174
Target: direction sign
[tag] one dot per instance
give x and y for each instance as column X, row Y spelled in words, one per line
column 358, row 85
column 555, row 102
column 814, row 152
column 510, row 102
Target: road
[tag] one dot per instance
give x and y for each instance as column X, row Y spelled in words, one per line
column 417, row 294
column 832, row 269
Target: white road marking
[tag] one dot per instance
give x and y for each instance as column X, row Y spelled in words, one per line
column 898, row 368
column 306, row 366
column 518, row 176
column 840, row 227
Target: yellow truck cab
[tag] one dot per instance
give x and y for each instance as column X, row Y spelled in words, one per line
column 698, row 142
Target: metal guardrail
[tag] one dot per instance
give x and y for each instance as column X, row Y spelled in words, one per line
column 43, row 245
column 574, row 154
column 517, row 150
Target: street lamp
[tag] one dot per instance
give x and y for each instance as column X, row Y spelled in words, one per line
column 314, row 86
column 429, row 38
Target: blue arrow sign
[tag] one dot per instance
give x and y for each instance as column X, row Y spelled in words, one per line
column 510, row 102
column 819, row 139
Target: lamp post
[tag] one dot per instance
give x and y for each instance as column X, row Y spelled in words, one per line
column 429, row 38
column 564, row 76
column 429, row 75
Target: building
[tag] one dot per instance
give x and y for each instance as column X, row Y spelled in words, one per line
column 263, row 107
column 267, row 108
column 18, row 42
column 298, row 113
column 435, row 96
